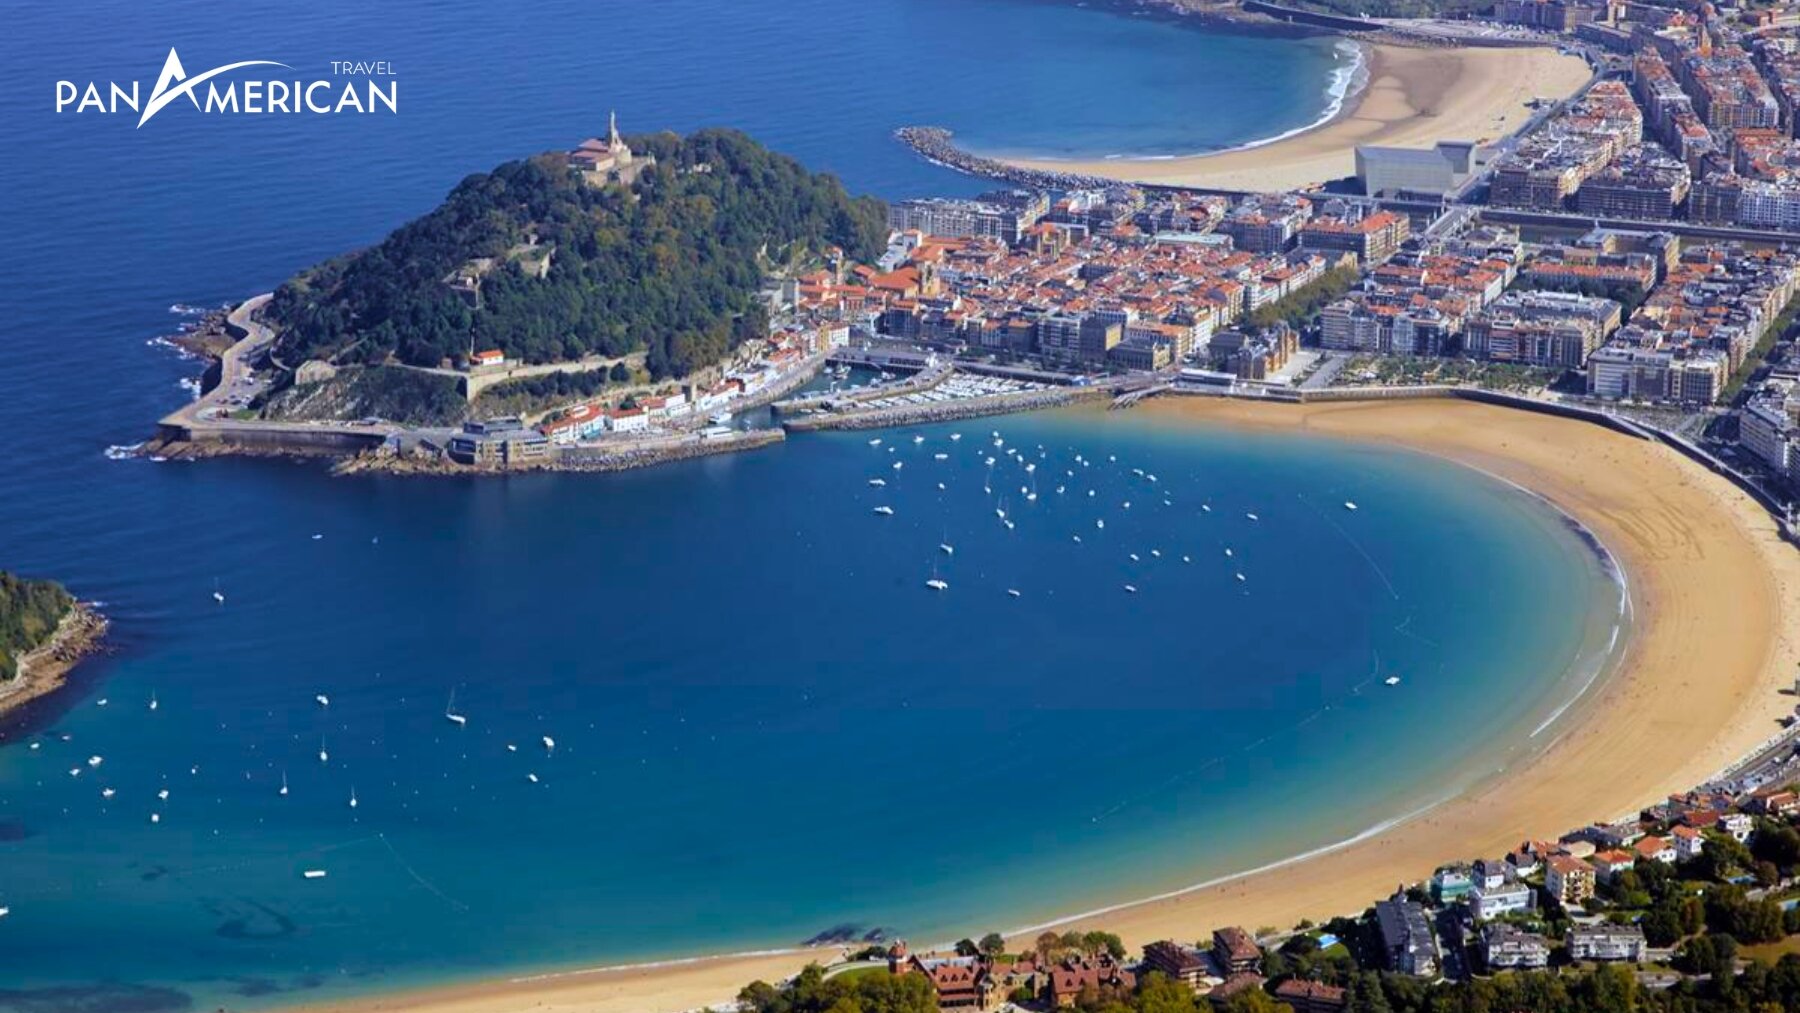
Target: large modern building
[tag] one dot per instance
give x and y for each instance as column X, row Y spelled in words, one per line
column 1002, row 214
column 1385, row 171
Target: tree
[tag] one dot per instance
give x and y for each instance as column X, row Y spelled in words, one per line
column 1158, row 993
column 993, row 944
column 966, row 948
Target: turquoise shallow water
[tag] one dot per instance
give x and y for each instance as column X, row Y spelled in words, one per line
column 765, row 725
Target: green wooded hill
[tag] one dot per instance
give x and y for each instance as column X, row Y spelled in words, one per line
column 670, row 265
column 29, row 613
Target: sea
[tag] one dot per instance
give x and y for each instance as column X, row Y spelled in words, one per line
column 711, row 707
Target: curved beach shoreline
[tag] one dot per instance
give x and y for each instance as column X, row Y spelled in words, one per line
column 1410, row 98
column 1697, row 690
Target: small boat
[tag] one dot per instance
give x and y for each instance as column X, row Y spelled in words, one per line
column 899, row 464
column 1000, row 512
column 1131, row 589
column 317, row 537
column 940, row 457
column 885, row 511
column 1253, row 517
column 1227, row 553
column 324, row 701
column 511, row 748
column 153, row 700
column 4, row 911
column 947, row 549
column 450, row 711
column 219, row 596
column 74, row 771
column 1186, row 559
column 719, row 418
column 352, row 798
column 163, row 795
column 100, row 702
column 313, row 874
column 1392, row 680
column 1240, row 576
column 283, row 782
column 1100, row 524
column 937, row 585
column 1077, row 539
column 95, row 761
column 1008, row 523
column 877, row 482
column 1350, row 505
column 324, row 757
column 107, row 793
column 918, row 439
column 1128, row 504
column 955, row 436
column 1013, row 591
column 532, row 778
column 1134, row 557
column 156, row 817
column 1205, row 509
column 940, row 486
column 549, row 743
column 876, row 442
column 1156, row 552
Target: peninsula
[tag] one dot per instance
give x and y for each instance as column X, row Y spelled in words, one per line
column 44, row 632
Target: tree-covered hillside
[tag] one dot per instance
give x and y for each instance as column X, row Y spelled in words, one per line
column 670, row 265
column 29, row 613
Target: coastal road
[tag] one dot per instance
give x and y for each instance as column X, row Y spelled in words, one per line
column 209, row 415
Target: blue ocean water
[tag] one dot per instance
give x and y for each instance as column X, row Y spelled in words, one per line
column 764, row 724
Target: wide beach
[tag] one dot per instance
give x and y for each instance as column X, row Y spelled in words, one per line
column 1413, row 99
column 1699, row 687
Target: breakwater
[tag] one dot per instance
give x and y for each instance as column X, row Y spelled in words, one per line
column 938, row 146
column 946, row 411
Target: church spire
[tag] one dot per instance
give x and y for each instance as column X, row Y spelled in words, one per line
column 612, row 130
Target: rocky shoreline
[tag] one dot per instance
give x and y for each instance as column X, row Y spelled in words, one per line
column 577, row 459
column 43, row 671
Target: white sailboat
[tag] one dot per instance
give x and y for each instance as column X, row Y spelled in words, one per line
column 1392, row 680
column 353, row 796
column 284, row 789
column 549, row 744
column 885, row 511
column 451, row 714
column 324, row 701
column 152, row 699
column 1350, row 505
column 324, row 757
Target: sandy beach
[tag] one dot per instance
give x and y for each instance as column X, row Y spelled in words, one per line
column 1413, row 99
column 1699, row 688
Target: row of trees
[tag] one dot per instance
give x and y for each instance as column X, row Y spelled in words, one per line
column 671, row 265
column 29, row 613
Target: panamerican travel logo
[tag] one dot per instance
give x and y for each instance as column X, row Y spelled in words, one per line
column 265, row 94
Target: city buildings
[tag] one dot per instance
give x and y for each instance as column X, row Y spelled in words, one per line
column 1506, row 946
column 1408, row 944
column 1420, row 300
column 1697, row 326
column 1568, row 879
column 1554, row 329
column 1267, row 223
column 1606, row 942
column 1371, row 236
column 1642, row 182
column 1546, row 168
column 1002, row 214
